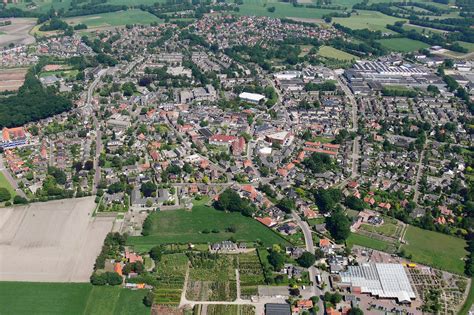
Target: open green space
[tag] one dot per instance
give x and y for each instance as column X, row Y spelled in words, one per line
column 6, row 184
column 435, row 249
column 282, row 10
column 365, row 241
column 68, row 74
column 469, row 301
column 402, row 44
column 69, row 298
column 331, row 52
column 421, row 29
column 468, row 46
column 182, row 226
column 372, row 20
column 114, row 19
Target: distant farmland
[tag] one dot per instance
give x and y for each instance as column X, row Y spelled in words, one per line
column 12, row 79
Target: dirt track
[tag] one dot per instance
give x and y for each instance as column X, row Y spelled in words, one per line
column 55, row 241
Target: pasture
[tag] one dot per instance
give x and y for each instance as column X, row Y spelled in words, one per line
column 365, row 241
column 435, row 249
column 203, row 224
column 18, row 298
column 331, row 52
column 402, row 44
column 282, row 10
column 114, row 19
column 372, row 20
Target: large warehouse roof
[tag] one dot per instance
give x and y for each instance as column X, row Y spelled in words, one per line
column 382, row 280
column 254, row 97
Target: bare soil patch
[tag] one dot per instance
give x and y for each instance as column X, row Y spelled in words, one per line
column 55, row 241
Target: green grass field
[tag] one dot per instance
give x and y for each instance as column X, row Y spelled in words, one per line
column 5, row 184
column 362, row 240
column 402, row 44
column 435, row 249
column 282, row 10
column 114, row 19
column 373, row 20
column 183, row 226
column 468, row 46
column 330, row 52
column 19, row 298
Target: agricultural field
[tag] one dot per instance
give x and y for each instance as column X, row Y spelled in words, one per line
column 170, row 271
column 17, row 33
column 69, row 298
column 422, row 29
column 212, row 277
column 282, row 10
column 182, row 226
column 365, row 241
column 331, row 52
column 251, row 274
column 402, row 44
column 372, row 20
column 12, row 79
column 435, row 249
column 114, row 19
column 215, row 309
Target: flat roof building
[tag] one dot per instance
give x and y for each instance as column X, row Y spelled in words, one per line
column 251, row 97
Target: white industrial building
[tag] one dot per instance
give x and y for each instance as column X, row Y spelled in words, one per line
column 388, row 281
column 251, row 97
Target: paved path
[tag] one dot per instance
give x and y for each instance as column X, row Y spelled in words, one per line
column 418, row 175
column 308, row 237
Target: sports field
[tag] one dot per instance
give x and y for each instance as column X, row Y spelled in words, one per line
column 330, row 52
column 373, row 20
column 18, row 298
column 402, row 44
column 183, row 226
column 114, row 19
column 435, row 249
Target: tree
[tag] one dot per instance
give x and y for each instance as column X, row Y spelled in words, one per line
column 156, row 252
column 286, row 204
column 277, row 260
column 4, row 194
column 355, row 203
column 339, row 226
column 97, row 279
column 356, row 311
column 148, row 188
column 148, row 299
column 306, row 260
column 18, row 200
column 113, row 278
